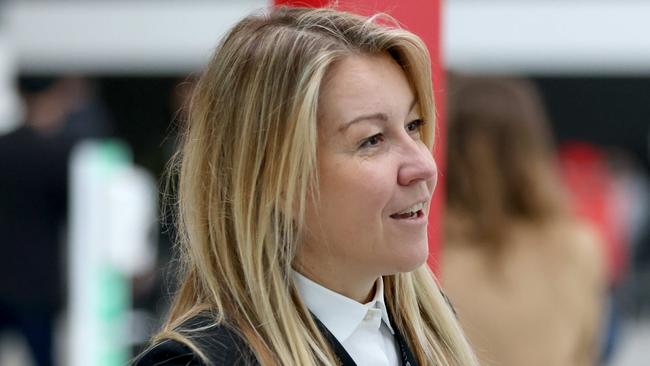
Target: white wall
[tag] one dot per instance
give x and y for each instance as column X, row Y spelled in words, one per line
column 548, row 37
column 119, row 37
column 167, row 37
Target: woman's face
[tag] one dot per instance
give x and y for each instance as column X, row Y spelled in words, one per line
column 376, row 175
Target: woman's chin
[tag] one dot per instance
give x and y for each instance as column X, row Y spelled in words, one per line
column 412, row 258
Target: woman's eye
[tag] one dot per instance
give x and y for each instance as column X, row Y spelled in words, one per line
column 414, row 126
column 372, row 141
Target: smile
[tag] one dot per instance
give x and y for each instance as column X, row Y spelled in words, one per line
column 416, row 211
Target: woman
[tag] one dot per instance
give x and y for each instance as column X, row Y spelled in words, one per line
column 305, row 181
column 525, row 277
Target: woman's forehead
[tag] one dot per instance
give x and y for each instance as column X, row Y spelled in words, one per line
column 365, row 84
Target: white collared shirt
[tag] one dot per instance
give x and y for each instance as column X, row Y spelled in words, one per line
column 364, row 330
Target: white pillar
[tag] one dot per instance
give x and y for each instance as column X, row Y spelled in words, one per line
column 9, row 101
column 113, row 209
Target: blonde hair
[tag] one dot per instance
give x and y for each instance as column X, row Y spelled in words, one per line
column 246, row 170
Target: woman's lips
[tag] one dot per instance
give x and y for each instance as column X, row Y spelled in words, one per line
column 408, row 216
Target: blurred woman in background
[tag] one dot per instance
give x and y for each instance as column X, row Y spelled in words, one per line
column 305, row 179
column 526, row 278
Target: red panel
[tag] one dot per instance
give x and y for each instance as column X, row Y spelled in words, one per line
column 423, row 19
column 305, row 3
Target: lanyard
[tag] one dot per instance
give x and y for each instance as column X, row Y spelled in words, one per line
column 407, row 357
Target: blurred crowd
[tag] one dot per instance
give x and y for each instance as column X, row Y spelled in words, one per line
column 546, row 250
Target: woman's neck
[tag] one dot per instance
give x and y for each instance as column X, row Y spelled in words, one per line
column 357, row 288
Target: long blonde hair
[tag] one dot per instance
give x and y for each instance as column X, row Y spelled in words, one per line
column 246, row 170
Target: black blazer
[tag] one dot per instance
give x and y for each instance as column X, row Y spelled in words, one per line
column 223, row 346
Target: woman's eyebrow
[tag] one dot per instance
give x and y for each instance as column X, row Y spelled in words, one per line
column 373, row 116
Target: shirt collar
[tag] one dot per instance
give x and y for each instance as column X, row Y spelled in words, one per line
column 341, row 315
column 378, row 302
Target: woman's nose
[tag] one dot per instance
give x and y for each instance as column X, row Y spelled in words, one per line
column 417, row 165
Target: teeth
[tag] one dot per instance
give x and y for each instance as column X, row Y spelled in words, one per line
column 416, row 207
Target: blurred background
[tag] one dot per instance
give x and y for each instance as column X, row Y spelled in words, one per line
column 91, row 96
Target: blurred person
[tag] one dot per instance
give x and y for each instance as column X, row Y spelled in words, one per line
column 526, row 277
column 58, row 112
column 88, row 117
column 305, row 179
column 594, row 197
column 632, row 208
column 33, row 191
column 632, row 203
column 585, row 173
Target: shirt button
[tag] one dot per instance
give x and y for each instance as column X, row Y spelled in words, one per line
column 368, row 316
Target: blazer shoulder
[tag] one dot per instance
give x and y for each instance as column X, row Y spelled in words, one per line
column 168, row 353
column 220, row 344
